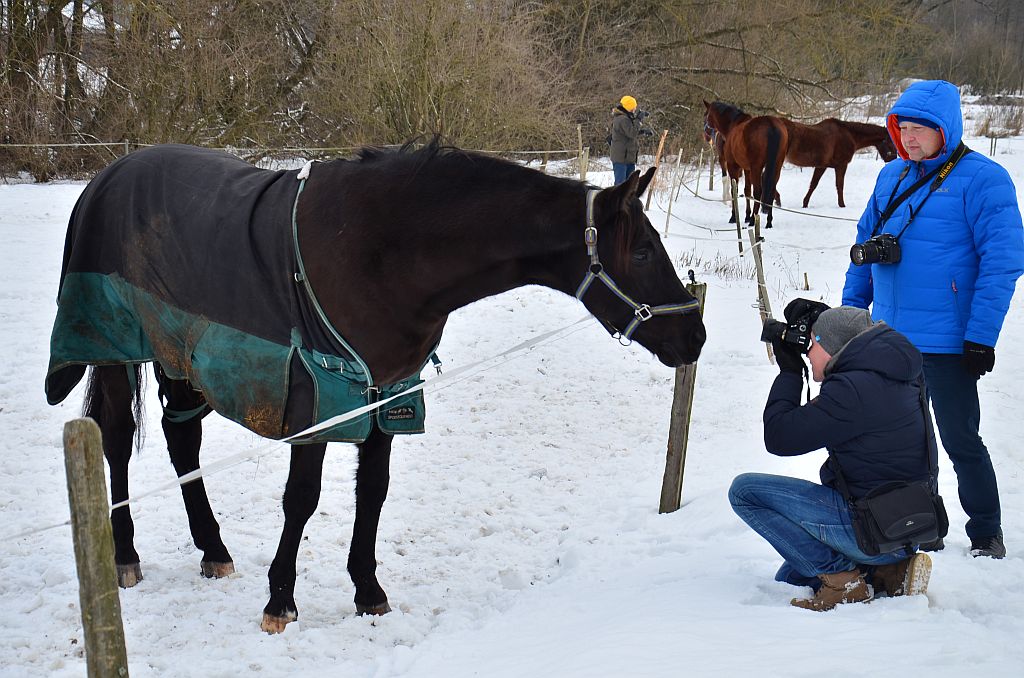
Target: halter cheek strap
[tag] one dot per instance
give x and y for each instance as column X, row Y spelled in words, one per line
column 641, row 312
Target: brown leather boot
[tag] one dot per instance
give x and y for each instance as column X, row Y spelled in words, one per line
column 840, row 587
column 909, row 577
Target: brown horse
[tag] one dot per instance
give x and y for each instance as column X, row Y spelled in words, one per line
column 751, row 154
column 832, row 143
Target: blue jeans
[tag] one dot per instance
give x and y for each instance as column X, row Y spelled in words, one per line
column 954, row 395
column 807, row 523
column 622, row 171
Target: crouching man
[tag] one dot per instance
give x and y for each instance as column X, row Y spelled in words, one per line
column 868, row 414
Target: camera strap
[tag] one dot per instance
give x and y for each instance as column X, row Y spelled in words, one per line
column 936, row 176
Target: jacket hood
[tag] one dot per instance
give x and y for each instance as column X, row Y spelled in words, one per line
column 935, row 100
column 878, row 349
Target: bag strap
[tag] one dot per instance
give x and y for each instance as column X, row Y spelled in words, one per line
column 937, row 175
column 931, row 450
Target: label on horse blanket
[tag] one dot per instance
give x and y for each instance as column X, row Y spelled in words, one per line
column 185, row 256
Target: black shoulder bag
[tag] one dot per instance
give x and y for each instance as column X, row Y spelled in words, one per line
column 900, row 514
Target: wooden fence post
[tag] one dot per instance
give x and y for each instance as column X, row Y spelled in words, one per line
column 105, row 653
column 764, row 302
column 700, row 167
column 579, row 151
column 676, row 179
column 584, row 162
column 711, row 168
column 679, row 423
column 657, row 161
column 735, row 187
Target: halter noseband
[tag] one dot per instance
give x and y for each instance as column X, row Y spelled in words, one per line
column 641, row 312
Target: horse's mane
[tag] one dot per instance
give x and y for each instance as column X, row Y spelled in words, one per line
column 728, row 111
column 862, row 127
column 445, row 161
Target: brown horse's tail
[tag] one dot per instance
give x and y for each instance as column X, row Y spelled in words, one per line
column 771, row 168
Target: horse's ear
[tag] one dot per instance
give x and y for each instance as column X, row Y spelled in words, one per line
column 615, row 198
column 706, row 104
column 645, row 181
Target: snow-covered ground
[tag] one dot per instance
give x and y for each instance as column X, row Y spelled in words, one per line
column 521, row 536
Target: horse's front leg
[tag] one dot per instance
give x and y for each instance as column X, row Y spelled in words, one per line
column 301, row 496
column 109, row 403
column 815, row 178
column 183, row 429
column 372, row 480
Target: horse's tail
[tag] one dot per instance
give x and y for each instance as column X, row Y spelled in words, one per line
column 92, row 404
column 771, row 168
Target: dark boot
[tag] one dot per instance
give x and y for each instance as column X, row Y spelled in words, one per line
column 988, row 546
column 836, row 588
column 909, row 577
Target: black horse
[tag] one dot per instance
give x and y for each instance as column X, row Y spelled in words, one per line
column 364, row 259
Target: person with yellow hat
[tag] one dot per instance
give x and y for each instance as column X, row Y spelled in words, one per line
column 626, row 128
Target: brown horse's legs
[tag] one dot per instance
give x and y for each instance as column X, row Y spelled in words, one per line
column 110, row 405
column 301, row 496
column 372, row 480
column 818, row 172
column 183, row 441
column 840, row 180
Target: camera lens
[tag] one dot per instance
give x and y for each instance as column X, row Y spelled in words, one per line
column 857, row 255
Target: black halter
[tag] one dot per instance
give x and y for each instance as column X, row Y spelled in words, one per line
column 641, row 312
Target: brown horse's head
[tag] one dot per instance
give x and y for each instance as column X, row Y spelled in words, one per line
column 639, row 270
column 886, row 149
column 722, row 117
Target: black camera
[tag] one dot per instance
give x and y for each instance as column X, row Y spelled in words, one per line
column 796, row 331
column 882, row 249
column 640, row 115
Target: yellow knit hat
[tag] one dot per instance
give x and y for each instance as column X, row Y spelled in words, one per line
column 628, row 102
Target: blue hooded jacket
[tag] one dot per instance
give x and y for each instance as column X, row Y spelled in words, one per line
column 964, row 251
column 868, row 413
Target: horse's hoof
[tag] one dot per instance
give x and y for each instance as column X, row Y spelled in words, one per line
column 275, row 624
column 129, row 575
column 376, row 610
column 212, row 570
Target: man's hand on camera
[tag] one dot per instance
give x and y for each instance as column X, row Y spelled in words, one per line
column 978, row 359
column 787, row 356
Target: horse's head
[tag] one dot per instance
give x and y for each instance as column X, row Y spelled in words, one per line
column 722, row 117
column 632, row 286
column 886, row 148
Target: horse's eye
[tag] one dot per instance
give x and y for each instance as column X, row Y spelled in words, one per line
column 641, row 255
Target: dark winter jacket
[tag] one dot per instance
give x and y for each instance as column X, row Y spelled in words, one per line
column 625, row 130
column 868, row 413
column 962, row 254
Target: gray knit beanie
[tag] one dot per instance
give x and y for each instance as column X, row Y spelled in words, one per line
column 835, row 327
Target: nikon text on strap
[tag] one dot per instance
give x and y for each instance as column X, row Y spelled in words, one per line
column 936, row 176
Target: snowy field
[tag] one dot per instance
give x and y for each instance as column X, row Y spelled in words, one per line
column 521, row 536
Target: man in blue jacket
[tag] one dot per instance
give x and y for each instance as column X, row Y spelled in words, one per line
column 868, row 414
column 943, row 273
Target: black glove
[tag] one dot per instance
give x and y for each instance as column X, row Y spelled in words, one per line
column 801, row 307
column 978, row 358
column 788, row 356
